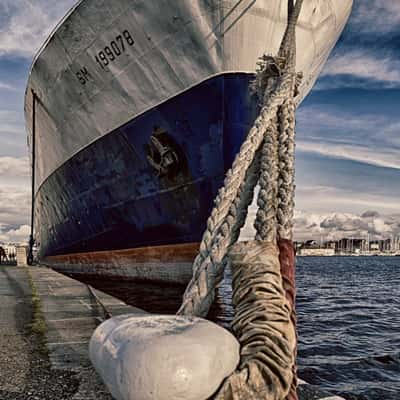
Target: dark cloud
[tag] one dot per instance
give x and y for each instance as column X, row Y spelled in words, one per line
column 370, row 214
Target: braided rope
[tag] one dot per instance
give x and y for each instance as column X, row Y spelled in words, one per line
column 287, row 48
column 286, row 186
column 240, row 207
column 245, row 197
column 265, row 222
column 222, row 227
column 199, row 294
column 264, row 321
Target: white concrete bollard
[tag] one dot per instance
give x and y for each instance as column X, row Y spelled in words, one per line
column 163, row 357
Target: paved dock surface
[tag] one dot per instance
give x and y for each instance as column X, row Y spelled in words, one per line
column 71, row 314
column 14, row 312
column 25, row 372
column 53, row 364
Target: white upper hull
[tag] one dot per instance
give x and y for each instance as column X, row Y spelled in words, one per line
column 165, row 48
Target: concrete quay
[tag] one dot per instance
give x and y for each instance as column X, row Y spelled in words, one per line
column 71, row 314
column 46, row 321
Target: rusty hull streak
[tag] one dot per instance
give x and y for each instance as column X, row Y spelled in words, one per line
column 169, row 253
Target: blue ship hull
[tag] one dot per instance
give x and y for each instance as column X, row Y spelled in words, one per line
column 110, row 197
column 136, row 110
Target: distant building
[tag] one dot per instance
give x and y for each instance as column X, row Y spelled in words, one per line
column 310, row 244
column 313, row 248
column 10, row 250
column 350, row 246
column 21, row 255
column 332, row 244
column 374, row 246
column 316, row 252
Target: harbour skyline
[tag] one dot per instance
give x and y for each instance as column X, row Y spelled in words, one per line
column 348, row 169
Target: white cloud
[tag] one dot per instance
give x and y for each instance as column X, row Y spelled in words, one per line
column 318, row 119
column 337, row 134
column 366, row 155
column 6, row 86
column 12, row 133
column 26, row 24
column 376, row 16
column 323, row 220
column 326, row 199
column 18, row 235
column 334, row 225
column 369, row 17
column 11, row 123
column 14, row 166
column 14, row 204
column 363, row 64
column 311, row 225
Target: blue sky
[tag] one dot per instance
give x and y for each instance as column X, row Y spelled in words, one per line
column 348, row 132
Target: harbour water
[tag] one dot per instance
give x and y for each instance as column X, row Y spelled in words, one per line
column 348, row 321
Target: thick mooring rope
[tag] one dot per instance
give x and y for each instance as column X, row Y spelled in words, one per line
column 262, row 325
column 222, row 227
column 263, row 277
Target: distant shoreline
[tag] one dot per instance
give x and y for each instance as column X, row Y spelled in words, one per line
column 348, row 255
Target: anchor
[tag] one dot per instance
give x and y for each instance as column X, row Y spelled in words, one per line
column 162, row 157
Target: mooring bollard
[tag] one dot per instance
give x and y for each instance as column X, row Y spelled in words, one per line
column 163, row 357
